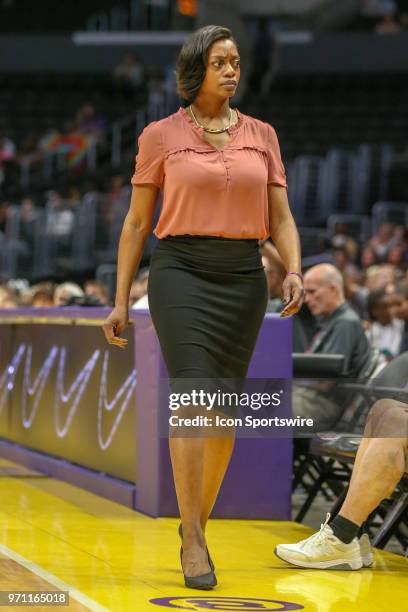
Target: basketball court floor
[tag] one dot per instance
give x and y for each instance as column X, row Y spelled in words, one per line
column 56, row 537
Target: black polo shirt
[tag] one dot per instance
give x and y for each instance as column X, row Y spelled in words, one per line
column 342, row 332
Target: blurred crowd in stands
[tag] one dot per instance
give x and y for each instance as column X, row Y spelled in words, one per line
column 130, row 86
column 71, row 140
column 18, row 293
column 375, row 280
column 375, row 276
column 131, row 76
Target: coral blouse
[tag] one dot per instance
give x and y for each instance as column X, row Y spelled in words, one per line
column 207, row 191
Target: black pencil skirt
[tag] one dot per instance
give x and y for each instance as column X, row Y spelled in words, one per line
column 207, row 300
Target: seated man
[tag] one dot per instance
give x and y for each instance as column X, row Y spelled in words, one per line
column 380, row 463
column 339, row 330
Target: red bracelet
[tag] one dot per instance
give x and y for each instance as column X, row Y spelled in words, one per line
column 297, row 274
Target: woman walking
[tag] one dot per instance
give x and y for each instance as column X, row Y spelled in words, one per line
column 224, row 190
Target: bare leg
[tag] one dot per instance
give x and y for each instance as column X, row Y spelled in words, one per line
column 217, row 455
column 358, row 460
column 380, row 460
column 199, row 465
column 187, row 457
column 380, row 469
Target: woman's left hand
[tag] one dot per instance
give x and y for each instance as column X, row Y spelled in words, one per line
column 293, row 295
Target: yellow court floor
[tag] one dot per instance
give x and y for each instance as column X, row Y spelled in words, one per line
column 56, row 537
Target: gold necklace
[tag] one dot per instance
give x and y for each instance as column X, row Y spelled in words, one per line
column 212, row 130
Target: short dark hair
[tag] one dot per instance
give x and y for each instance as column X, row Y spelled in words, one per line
column 191, row 63
column 375, row 296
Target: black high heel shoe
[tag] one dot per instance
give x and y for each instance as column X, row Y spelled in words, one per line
column 210, row 561
column 204, row 582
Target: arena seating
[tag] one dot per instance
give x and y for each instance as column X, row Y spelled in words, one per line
column 338, row 134
column 331, row 130
column 94, row 243
column 31, row 103
column 314, row 112
column 35, row 253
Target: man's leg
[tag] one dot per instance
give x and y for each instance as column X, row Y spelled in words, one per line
column 380, row 464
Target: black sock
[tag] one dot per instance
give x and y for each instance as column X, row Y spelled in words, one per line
column 344, row 529
column 362, row 529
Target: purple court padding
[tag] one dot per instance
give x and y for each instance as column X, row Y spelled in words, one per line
column 124, row 448
column 258, row 481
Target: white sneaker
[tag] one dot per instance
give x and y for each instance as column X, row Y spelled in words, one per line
column 366, row 551
column 323, row 550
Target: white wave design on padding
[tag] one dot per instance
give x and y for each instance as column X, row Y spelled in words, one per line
column 80, row 381
column 127, row 388
column 8, row 377
column 37, row 388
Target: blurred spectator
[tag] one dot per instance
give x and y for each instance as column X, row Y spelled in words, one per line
column 385, row 331
column 75, row 139
column 388, row 25
column 356, row 295
column 399, row 309
column 9, row 302
column 114, row 209
column 368, row 257
column 73, row 197
column 341, row 260
column 60, row 219
column 7, row 153
column 400, row 234
column 27, row 291
column 274, row 270
column 8, row 297
column 129, row 74
column 118, row 189
column 42, row 298
column 382, row 241
column 4, row 206
column 97, row 290
column 139, row 287
column 7, row 149
column 397, row 256
column 340, row 238
column 28, row 146
column 87, row 122
column 65, row 292
column 142, row 302
column 28, row 219
column 382, row 276
column 155, row 89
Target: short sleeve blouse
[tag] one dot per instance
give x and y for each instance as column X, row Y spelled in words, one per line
column 207, row 191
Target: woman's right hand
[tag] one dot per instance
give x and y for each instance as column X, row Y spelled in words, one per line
column 114, row 326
